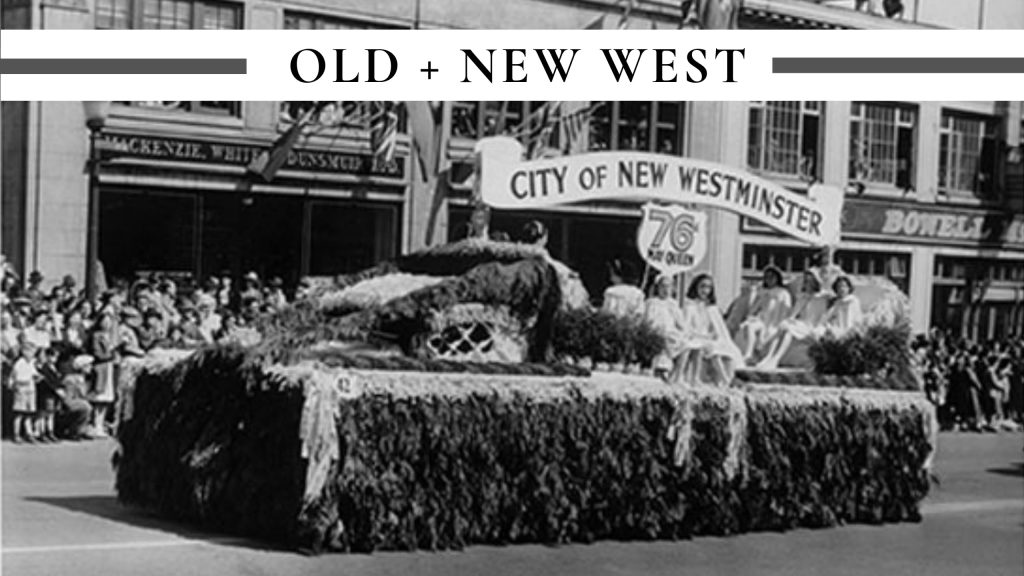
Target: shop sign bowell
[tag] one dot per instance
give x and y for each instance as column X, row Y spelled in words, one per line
column 508, row 182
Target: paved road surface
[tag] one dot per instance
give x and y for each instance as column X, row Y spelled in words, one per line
column 60, row 517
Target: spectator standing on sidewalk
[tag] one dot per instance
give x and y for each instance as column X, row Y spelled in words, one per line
column 104, row 350
column 46, row 395
column 24, row 377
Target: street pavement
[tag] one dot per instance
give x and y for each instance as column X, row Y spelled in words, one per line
column 60, row 516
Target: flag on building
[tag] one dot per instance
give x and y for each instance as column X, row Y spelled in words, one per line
column 711, row 14
column 268, row 162
column 429, row 142
column 384, row 131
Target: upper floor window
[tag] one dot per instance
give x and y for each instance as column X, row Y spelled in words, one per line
column 345, row 115
column 967, row 154
column 646, row 126
column 786, row 138
column 212, row 107
column 882, row 143
column 168, row 14
column 305, row 21
column 478, row 119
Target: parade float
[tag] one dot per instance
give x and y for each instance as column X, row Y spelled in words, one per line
column 432, row 402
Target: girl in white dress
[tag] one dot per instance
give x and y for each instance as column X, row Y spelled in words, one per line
column 709, row 355
column 770, row 308
column 662, row 313
column 845, row 312
column 804, row 322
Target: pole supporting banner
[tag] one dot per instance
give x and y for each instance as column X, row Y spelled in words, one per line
column 508, row 182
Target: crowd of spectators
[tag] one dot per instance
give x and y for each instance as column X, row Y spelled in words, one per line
column 976, row 386
column 65, row 359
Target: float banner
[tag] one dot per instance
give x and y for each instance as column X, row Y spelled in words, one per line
column 672, row 238
column 506, row 181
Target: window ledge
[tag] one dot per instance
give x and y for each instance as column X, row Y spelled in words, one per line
column 182, row 117
column 881, row 190
column 961, row 199
column 791, row 181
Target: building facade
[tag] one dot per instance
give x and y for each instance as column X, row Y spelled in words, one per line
column 934, row 188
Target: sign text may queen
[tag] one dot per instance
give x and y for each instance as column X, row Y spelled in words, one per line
column 508, row 182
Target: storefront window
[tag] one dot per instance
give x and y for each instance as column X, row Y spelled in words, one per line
column 894, row 267
column 785, row 138
column 144, row 232
column 167, row 15
column 979, row 299
column 644, row 126
column 967, row 154
column 346, row 237
column 882, row 143
column 789, row 259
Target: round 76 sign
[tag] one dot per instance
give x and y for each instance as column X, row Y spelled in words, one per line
column 671, row 238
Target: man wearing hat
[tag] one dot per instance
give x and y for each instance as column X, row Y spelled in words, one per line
column 64, row 294
column 275, row 297
column 34, row 291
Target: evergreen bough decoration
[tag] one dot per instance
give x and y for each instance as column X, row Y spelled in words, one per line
column 605, row 337
column 881, row 352
column 440, row 461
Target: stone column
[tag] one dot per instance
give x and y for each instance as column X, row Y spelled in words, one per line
column 717, row 132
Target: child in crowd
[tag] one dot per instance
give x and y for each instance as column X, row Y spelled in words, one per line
column 24, row 377
column 47, row 395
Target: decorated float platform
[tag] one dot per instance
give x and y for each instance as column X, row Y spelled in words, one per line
column 435, row 402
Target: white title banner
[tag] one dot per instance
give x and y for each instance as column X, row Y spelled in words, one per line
column 508, row 182
column 514, row 65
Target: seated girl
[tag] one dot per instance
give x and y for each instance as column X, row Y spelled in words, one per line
column 844, row 313
column 662, row 313
column 770, row 308
column 709, row 355
column 804, row 322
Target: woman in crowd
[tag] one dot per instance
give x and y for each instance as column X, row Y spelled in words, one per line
column 770, row 308
column 104, row 351
column 709, row 354
column 803, row 323
column 75, row 331
column 663, row 314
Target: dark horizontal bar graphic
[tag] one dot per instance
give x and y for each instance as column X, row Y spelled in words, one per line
column 122, row 65
column 898, row 65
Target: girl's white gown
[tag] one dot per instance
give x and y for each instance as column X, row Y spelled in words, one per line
column 666, row 318
column 771, row 307
column 844, row 315
column 706, row 338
